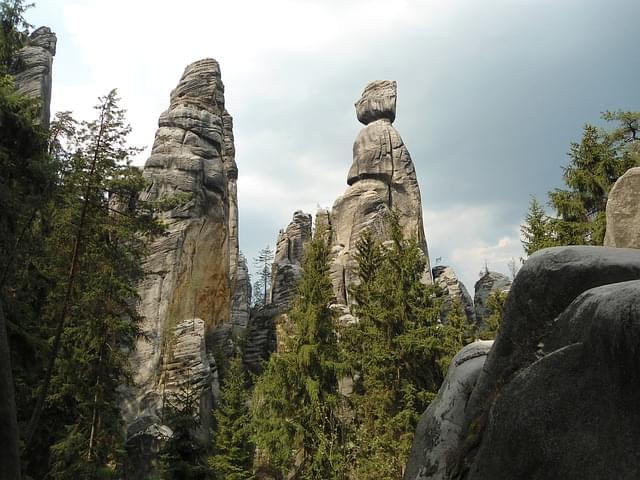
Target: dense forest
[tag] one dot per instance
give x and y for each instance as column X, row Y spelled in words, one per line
column 337, row 401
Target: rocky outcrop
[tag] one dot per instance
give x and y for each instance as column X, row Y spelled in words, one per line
column 558, row 394
column 454, row 292
column 382, row 177
column 623, row 211
column 191, row 269
column 34, row 69
column 241, row 303
column 487, row 284
column 438, row 433
column 287, row 260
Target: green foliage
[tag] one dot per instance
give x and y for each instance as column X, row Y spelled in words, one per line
column 495, row 304
column 596, row 163
column 233, row 449
column 184, row 454
column 14, row 31
column 296, row 405
column 262, row 263
column 396, row 352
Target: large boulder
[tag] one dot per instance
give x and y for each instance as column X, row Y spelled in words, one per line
column 382, row 177
column 191, row 270
column 34, row 75
column 623, row 211
column 575, row 413
column 438, row 433
column 557, row 393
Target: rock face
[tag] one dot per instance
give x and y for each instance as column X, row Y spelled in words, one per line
column 623, row 211
column 35, row 61
column 286, row 269
column 191, row 270
column 488, row 283
column 438, row 434
column 382, row 177
column 241, row 303
column 454, row 290
column 558, row 394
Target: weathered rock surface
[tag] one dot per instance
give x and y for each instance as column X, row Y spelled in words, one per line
column 438, row 434
column 34, row 75
column 382, row 177
column 623, row 211
column 241, row 303
column 454, row 291
column 286, row 268
column 485, row 286
column 191, row 270
column 558, row 396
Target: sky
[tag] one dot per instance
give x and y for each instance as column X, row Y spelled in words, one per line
column 490, row 95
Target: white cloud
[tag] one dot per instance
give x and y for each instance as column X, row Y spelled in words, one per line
column 456, row 235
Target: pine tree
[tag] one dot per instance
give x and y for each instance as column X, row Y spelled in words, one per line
column 183, row 456
column 395, row 352
column 94, row 248
column 296, row 405
column 262, row 263
column 495, row 305
column 595, row 164
column 233, row 449
column 536, row 231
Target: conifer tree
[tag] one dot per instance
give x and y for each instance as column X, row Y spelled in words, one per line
column 183, row 456
column 262, row 263
column 94, row 249
column 395, row 351
column 233, row 449
column 296, row 404
column 495, row 305
column 595, row 164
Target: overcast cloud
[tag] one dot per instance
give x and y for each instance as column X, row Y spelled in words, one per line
column 490, row 94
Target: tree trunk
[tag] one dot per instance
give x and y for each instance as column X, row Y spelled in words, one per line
column 9, row 452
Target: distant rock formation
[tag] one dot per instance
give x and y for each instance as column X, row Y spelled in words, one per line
column 35, row 61
column 559, row 393
column 241, row 302
column 287, row 260
column 623, row 211
column 454, row 291
column 382, row 177
column 438, row 433
column 191, row 271
column 487, row 284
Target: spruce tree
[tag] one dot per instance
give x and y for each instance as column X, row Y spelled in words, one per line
column 94, row 248
column 296, row 404
column 183, row 456
column 396, row 352
column 233, row 449
column 262, row 263
column 495, row 305
column 596, row 162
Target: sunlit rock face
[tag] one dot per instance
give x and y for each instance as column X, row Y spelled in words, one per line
column 287, row 260
column 623, row 211
column 454, row 292
column 34, row 65
column 382, row 177
column 191, row 270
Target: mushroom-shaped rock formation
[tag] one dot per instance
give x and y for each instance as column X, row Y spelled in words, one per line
column 382, row 177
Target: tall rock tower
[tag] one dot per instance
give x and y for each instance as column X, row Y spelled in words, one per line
column 382, row 177
column 191, row 269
